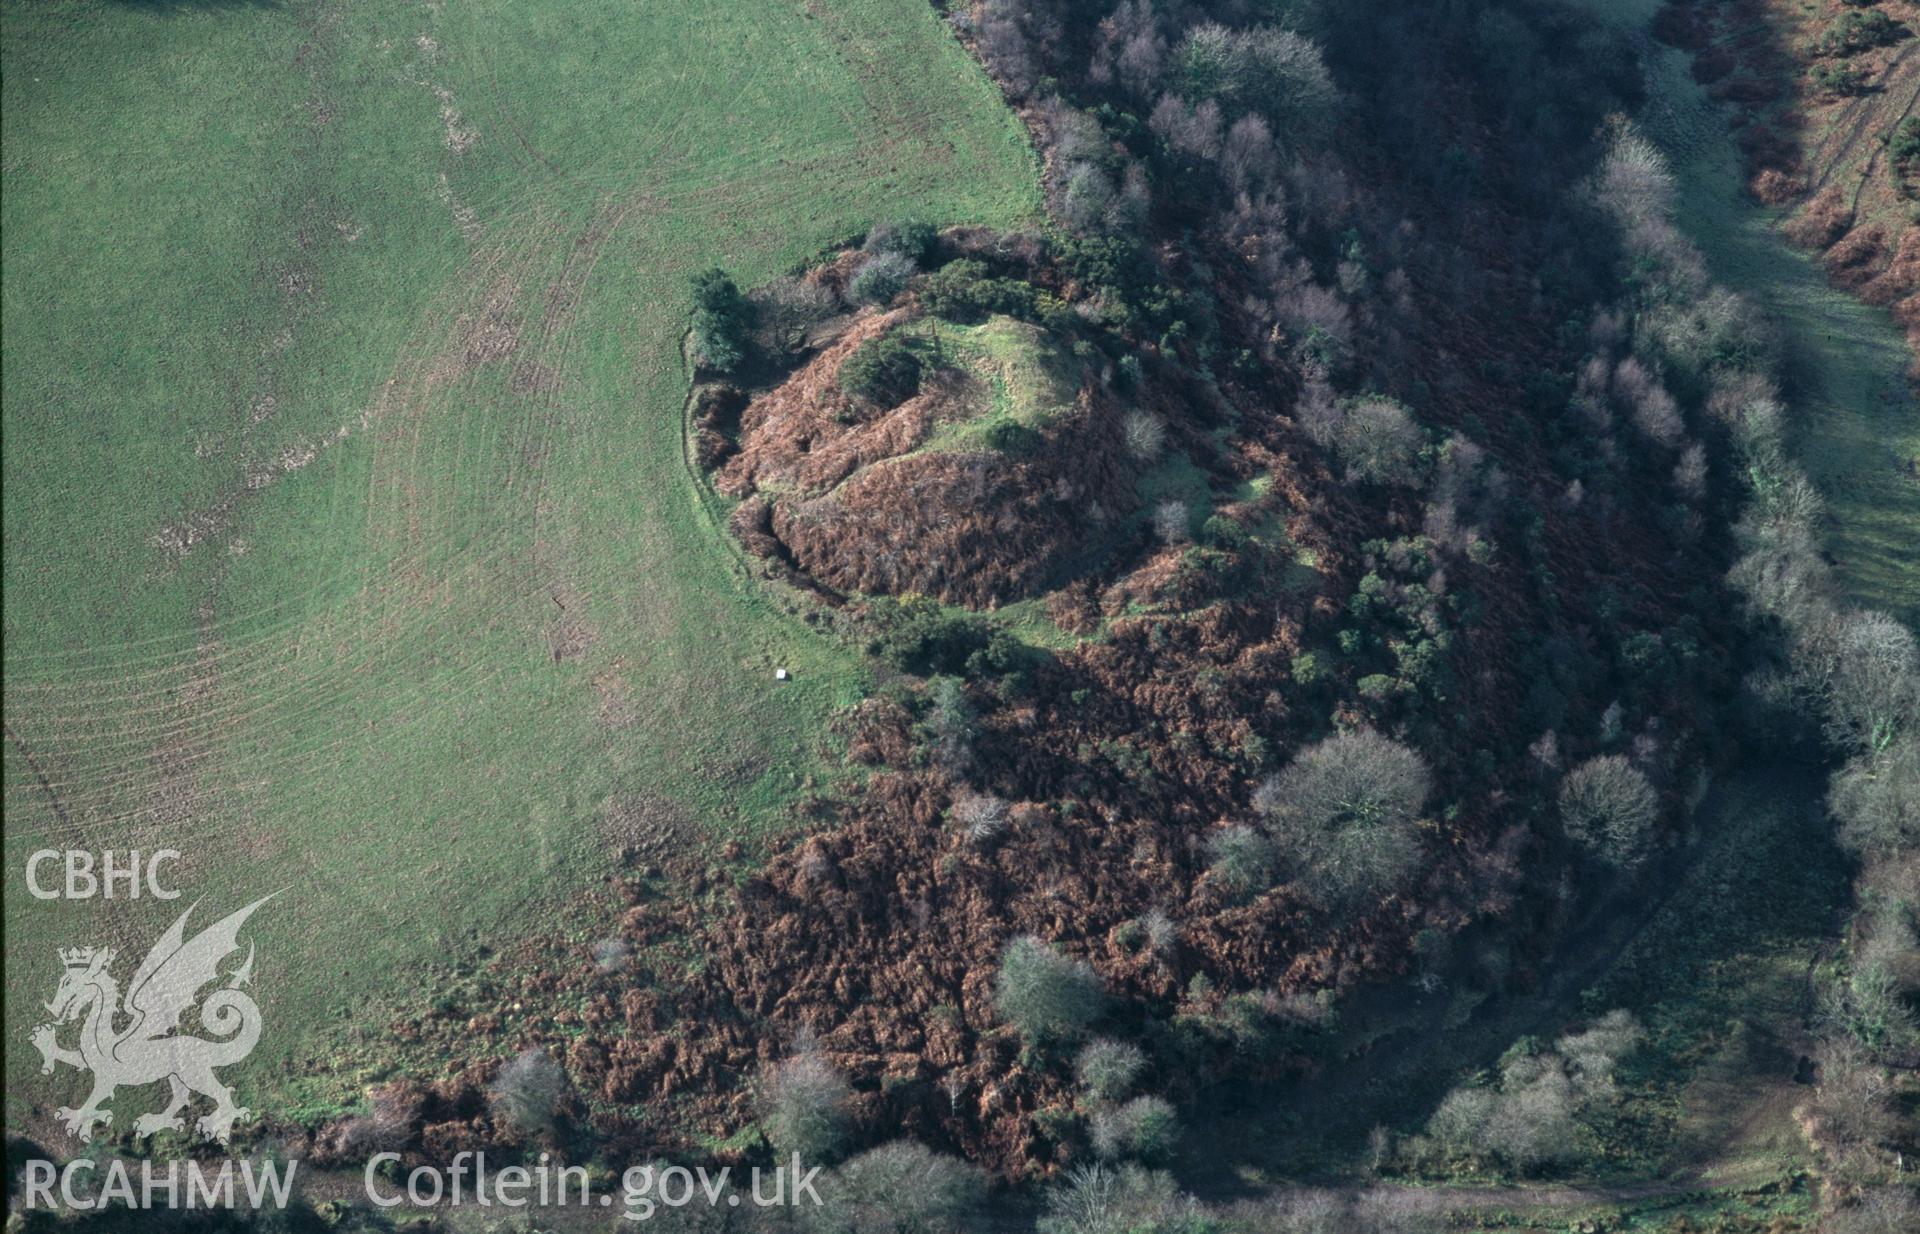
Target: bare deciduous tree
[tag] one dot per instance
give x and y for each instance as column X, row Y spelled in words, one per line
column 1610, row 809
column 1876, row 800
column 1344, row 814
column 1144, row 1128
column 880, row 278
column 1099, row 1199
column 982, row 815
column 803, row 1105
column 1144, row 433
column 526, row 1094
column 899, row 1188
column 1379, row 441
column 1874, row 689
column 1107, row 1069
column 1045, row 994
column 1241, row 860
column 1170, row 522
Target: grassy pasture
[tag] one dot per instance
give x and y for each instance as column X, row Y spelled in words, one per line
column 349, row 544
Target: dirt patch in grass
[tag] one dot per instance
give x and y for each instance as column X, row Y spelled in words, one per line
column 615, row 694
column 646, row 829
column 494, row 332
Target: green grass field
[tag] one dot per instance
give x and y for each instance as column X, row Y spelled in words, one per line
column 350, row 548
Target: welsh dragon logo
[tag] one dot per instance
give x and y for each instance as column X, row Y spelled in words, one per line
column 139, row 1042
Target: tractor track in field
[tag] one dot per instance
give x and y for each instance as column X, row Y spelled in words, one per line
column 40, row 777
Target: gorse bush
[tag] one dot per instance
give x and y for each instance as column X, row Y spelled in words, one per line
column 882, row 372
column 803, row 1106
column 1859, row 31
column 722, row 320
column 918, row 635
column 951, row 723
column 1609, row 809
column 526, row 1094
column 1344, row 814
column 963, row 291
column 905, row 238
column 1047, row 995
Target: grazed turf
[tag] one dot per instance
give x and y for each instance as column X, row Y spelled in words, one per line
column 349, row 547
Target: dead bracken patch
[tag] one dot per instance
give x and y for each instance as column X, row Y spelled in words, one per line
column 856, row 498
column 493, row 334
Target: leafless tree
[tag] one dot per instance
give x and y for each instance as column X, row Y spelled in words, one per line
column 1878, row 1210
column 1344, row 814
column 1874, row 690
column 1130, row 49
column 1170, row 522
column 1379, row 441
column 1144, row 433
column 1690, row 473
column 899, row 1188
column 1100, row 1199
column 881, row 278
column 1652, row 410
column 1610, row 809
column 1107, row 1069
column 1241, row 860
column 982, row 815
column 1045, row 994
column 611, row 955
column 1144, row 1128
column 526, row 1094
column 1876, row 800
column 803, row 1104
column 1853, row 1101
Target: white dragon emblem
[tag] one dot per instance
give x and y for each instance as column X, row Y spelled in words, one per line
column 147, row 1046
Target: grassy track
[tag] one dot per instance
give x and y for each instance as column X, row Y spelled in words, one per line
column 1857, row 424
column 348, row 544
